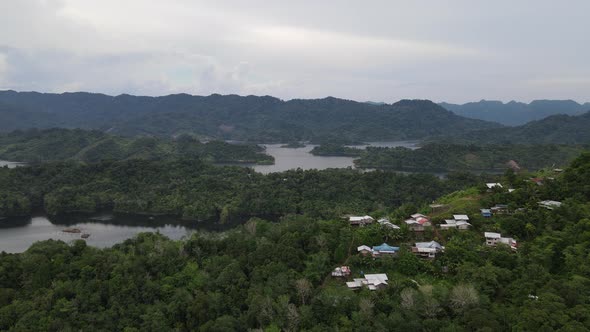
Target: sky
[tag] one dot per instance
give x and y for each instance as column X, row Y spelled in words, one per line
column 454, row 50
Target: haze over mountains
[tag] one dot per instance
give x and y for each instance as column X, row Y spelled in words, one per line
column 250, row 118
column 516, row 113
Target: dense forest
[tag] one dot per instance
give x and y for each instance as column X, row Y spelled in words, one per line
column 192, row 189
column 447, row 157
column 251, row 118
column 556, row 129
column 276, row 276
column 92, row 146
column 516, row 113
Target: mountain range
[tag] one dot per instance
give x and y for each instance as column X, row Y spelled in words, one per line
column 516, row 113
column 555, row 129
column 232, row 117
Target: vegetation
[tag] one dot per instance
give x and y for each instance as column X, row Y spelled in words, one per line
column 92, row 146
column 556, row 129
column 446, row 157
column 192, row 189
column 260, row 119
column 276, row 276
column 335, row 150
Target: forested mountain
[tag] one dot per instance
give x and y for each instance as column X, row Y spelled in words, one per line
column 263, row 119
column 35, row 145
column 448, row 157
column 556, row 129
column 276, row 276
column 192, row 189
column 516, row 113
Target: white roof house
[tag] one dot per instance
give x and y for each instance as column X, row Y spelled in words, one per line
column 427, row 249
column 493, row 185
column 390, row 225
column 418, row 215
column 372, row 281
column 492, row 235
column 492, row 239
column 364, row 248
column 550, row 204
column 460, row 217
column 360, row 218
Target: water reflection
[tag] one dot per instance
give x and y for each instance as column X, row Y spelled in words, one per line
column 18, row 234
column 289, row 158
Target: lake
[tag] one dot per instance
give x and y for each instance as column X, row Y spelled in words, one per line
column 10, row 164
column 18, row 234
column 288, row 158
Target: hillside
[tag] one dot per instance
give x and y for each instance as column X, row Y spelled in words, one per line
column 92, row 146
column 276, row 276
column 449, row 157
column 252, row 118
column 516, row 113
column 556, row 129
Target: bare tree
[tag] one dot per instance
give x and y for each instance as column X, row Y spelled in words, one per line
column 303, row 287
column 409, row 298
column 463, row 296
column 366, row 307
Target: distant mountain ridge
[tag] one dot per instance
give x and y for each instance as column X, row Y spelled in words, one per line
column 516, row 113
column 555, row 129
column 248, row 118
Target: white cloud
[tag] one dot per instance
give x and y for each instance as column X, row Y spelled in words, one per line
column 457, row 50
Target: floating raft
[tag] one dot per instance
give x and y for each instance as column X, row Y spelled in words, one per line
column 72, row 230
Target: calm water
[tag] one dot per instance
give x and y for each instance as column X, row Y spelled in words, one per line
column 17, row 235
column 10, row 164
column 286, row 158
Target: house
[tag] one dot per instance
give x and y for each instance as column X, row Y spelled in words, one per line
column 458, row 224
column 418, row 222
column 413, row 225
column 371, row 281
column 550, row 205
column 386, row 223
column 499, row 209
column 364, row 250
column 538, row 181
column 493, row 185
column 463, row 217
column 427, row 249
column 385, row 249
column 342, row 271
column 360, row 220
column 487, row 213
column 492, row 239
column 462, row 225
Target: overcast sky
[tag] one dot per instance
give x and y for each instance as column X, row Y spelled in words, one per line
column 454, row 51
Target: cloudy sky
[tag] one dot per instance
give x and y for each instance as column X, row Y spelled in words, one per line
column 456, row 50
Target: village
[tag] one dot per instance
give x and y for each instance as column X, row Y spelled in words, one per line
column 431, row 227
